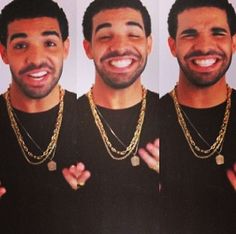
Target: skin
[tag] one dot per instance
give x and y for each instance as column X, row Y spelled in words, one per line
column 231, row 174
column 2, row 191
column 203, row 47
column 119, row 49
column 35, row 53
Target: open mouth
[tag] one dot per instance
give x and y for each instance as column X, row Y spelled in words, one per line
column 205, row 62
column 38, row 75
column 121, row 63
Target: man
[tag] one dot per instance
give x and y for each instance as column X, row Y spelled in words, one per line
column 38, row 122
column 198, row 121
column 117, row 117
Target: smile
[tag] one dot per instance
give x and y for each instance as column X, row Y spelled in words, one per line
column 205, row 62
column 38, row 75
column 121, row 63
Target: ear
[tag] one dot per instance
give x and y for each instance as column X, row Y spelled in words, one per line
column 149, row 44
column 66, row 45
column 172, row 45
column 3, row 52
column 234, row 43
column 88, row 49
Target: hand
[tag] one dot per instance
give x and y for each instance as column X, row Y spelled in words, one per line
column 2, row 190
column 231, row 174
column 150, row 155
column 76, row 175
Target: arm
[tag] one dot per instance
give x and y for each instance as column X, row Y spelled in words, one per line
column 231, row 174
column 150, row 155
column 76, row 175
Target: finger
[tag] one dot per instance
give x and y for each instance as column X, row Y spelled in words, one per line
column 149, row 160
column 70, row 178
column 83, row 178
column 157, row 142
column 153, row 150
column 232, row 178
column 77, row 170
column 2, row 191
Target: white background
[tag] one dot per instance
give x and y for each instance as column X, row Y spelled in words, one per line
column 79, row 75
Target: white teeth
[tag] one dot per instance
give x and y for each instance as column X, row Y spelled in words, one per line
column 38, row 74
column 121, row 63
column 204, row 62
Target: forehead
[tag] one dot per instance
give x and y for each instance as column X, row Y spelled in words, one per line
column 33, row 26
column 202, row 17
column 117, row 16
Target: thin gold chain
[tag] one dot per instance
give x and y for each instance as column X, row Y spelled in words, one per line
column 217, row 145
column 112, row 151
column 29, row 156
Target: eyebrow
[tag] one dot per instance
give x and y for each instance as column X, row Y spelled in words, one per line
column 104, row 25
column 190, row 31
column 24, row 35
column 133, row 23
column 18, row 35
column 109, row 25
column 218, row 30
column 49, row 33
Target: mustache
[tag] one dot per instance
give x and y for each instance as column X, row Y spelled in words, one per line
column 200, row 53
column 114, row 54
column 33, row 67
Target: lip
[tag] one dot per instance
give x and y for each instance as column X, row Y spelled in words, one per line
column 37, row 77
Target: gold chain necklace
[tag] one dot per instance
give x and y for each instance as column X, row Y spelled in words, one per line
column 218, row 144
column 114, row 153
column 51, row 148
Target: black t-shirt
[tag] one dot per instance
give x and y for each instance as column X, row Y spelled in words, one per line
column 119, row 198
column 37, row 200
column 196, row 195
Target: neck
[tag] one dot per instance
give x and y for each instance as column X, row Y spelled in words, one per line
column 29, row 105
column 199, row 97
column 108, row 97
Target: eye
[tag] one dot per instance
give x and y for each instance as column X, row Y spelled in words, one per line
column 104, row 37
column 20, row 45
column 218, row 33
column 189, row 35
column 135, row 36
column 50, row 44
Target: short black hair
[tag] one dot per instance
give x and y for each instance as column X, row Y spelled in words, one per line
column 99, row 5
column 29, row 9
column 180, row 5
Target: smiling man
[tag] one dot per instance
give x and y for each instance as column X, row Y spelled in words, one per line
column 116, row 117
column 38, row 122
column 198, row 121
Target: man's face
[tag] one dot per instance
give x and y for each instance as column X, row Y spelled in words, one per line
column 203, row 45
column 119, row 46
column 35, row 53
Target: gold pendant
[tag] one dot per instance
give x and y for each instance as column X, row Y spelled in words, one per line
column 135, row 161
column 52, row 165
column 219, row 159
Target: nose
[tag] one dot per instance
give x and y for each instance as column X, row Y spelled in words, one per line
column 35, row 55
column 204, row 43
column 119, row 44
